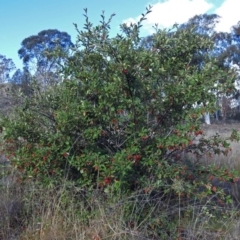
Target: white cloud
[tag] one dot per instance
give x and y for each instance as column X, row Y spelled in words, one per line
column 230, row 15
column 167, row 13
column 131, row 20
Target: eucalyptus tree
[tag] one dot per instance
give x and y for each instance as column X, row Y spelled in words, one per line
column 44, row 53
column 6, row 67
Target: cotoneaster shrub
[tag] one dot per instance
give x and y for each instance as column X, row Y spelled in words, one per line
column 124, row 114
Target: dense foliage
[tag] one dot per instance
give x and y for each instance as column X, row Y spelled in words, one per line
column 123, row 115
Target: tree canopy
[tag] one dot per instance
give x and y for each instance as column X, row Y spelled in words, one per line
column 6, row 66
column 38, row 53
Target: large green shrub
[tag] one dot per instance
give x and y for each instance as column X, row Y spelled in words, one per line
column 123, row 114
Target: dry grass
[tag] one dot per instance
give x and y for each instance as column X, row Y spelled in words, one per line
column 58, row 213
column 41, row 214
column 66, row 213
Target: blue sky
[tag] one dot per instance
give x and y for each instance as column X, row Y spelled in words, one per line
column 20, row 19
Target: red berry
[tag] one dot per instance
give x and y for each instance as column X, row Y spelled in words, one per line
column 107, row 180
column 137, row 158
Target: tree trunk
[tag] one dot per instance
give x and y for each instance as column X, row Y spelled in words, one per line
column 207, row 118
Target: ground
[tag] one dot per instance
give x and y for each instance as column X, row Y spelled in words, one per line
column 223, row 128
